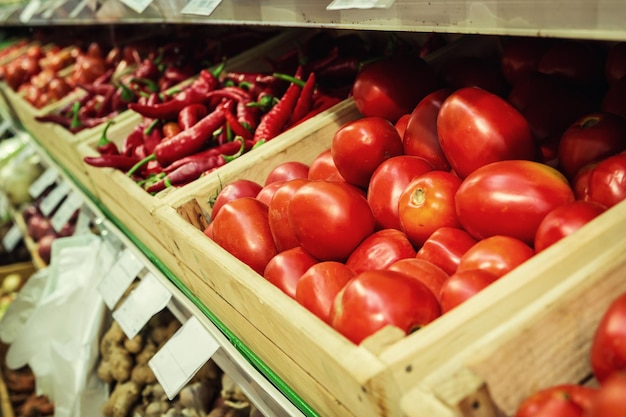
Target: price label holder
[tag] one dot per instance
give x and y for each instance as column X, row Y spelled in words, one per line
column 201, row 7
column 122, row 274
column 359, row 4
column 137, row 5
column 142, row 303
column 45, row 180
column 67, row 209
column 180, row 358
column 52, row 200
column 12, row 237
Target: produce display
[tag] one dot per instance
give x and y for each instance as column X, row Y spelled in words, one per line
column 25, row 402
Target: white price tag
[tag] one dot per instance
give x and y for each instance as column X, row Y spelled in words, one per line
column 182, row 356
column 45, row 180
column 137, row 5
column 359, row 4
column 66, row 211
column 200, row 7
column 120, row 276
column 12, row 238
column 142, row 303
column 52, row 200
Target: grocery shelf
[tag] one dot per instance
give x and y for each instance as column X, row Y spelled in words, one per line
column 598, row 19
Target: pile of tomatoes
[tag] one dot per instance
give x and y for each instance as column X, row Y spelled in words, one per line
column 449, row 181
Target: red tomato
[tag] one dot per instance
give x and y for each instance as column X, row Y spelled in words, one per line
column 360, row 146
column 427, row 204
column 379, row 250
column 426, row 272
column 520, row 57
column 591, row 138
column 563, row 400
column 510, row 198
column 576, row 61
column 285, row 269
column 267, row 192
column 236, row 189
column 401, row 124
column 323, row 168
column 613, row 100
column 477, row 127
column 608, row 349
column 496, row 254
column 615, row 64
column 387, row 184
column 320, row 284
column 421, row 137
column 278, row 214
column 330, row 219
column 533, row 88
column 374, row 299
column 610, row 400
column 445, row 247
column 607, row 181
column 241, row 228
column 564, row 220
column 463, row 285
column 392, row 87
column 472, row 71
column 286, row 171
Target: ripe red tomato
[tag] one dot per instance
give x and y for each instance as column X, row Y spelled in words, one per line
column 241, row 228
column 267, row 192
column 496, row 254
column 278, row 214
column 589, row 139
column 472, row 71
column 401, row 124
column 330, row 219
column 387, row 184
column 610, row 400
column 393, row 86
column 607, row 181
column 236, row 189
column 379, row 250
column 427, row 204
column 320, row 284
column 533, row 88
column 564, row 220
column 477, row 127
column 426, row 272
column 462, row 285
column 445, row 247
column 285, row 269
column 520, row 57
column 510, row 198
column 373, row 299
column 360, row 146
column 323, row 168
column 286, row 171
column 563, row 400
column 576, row 61
column 608, row 349
column 421, row 137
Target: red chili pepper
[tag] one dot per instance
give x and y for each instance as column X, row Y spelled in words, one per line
column 320, row 63
column 305, row 101
column 343, row 67
column 132, row 141
column 152, row 136
column 236, row 126
column 105, row 146
column 319, row 106
column 228, row 149
column 191, row 114
column 187, row 173
column 232, row 92
column 147, row 69
column 249, row 77
column 120, row 162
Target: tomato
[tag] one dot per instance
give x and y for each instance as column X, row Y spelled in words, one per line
column 286, row 171
column 496, row 254
column 613, row 100
column 610, row 400
column 564, row 220
column 607, row 181
column 462, row 285
column 387, row 184
column 608, row 348
column 563, row 400
column 278, row 214
column 615, row 64
column 330, row 219
column 236, row 189
column 379, row 250
column 320, row 284
column 421, row 137
column 424, row 271
column 510, row 198
column 360, row 146
column 477, row 127
column 533, row 88
column 445, row 247
column 591, row 138
column 472, row 71
column 521, row 56
column 393, row 86
column 401, row 124
column 241, row 227
column 374, row 299
column 579, row 62
column 267, row 192
column 285, row 269
column 323, row 168
column 427, row 204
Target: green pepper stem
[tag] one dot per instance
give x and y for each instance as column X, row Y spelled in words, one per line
column 152, row 86
column 148, row 130
column 289, row 78
column 140, row 164
column 103, row 138
column 75, row 119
